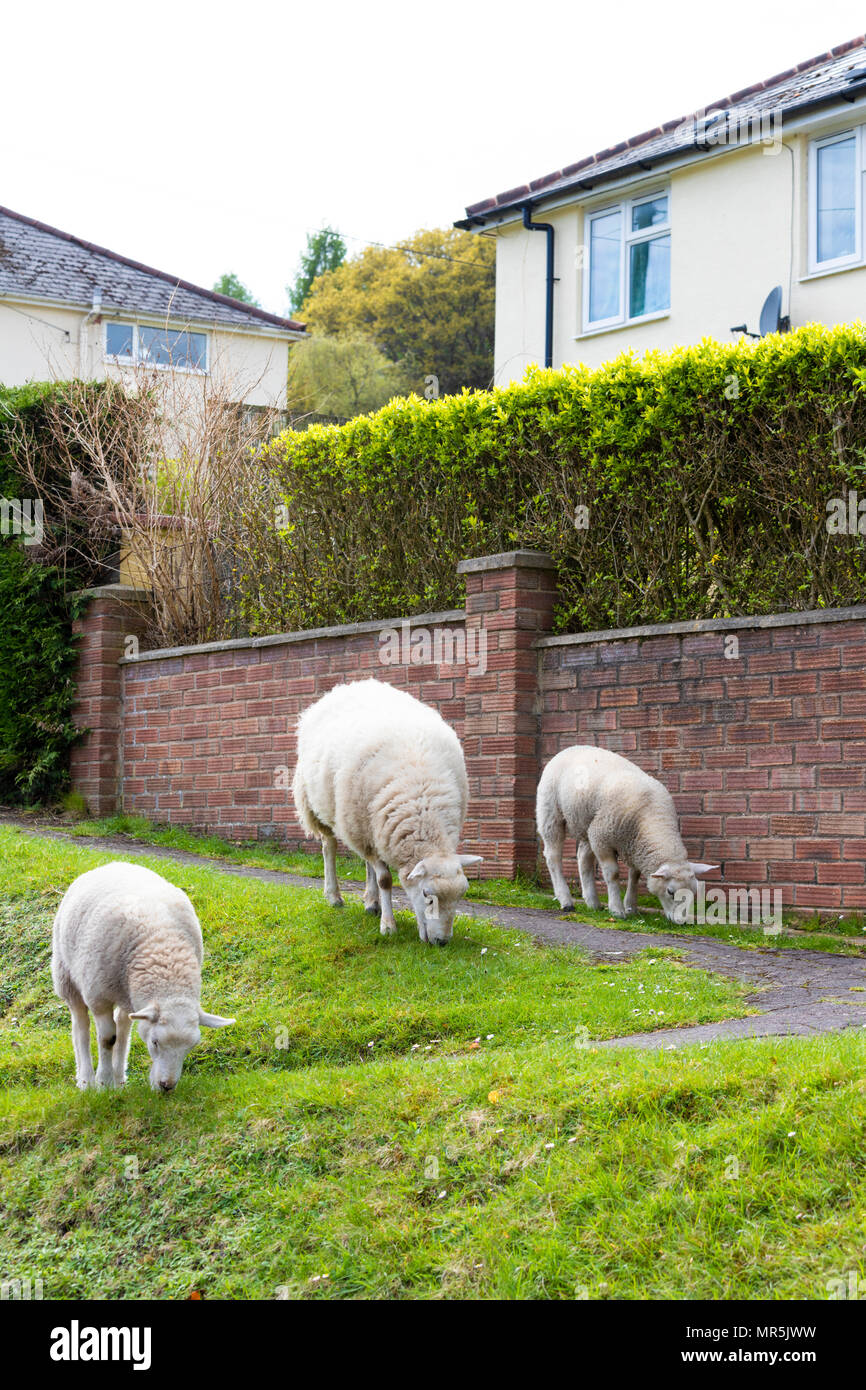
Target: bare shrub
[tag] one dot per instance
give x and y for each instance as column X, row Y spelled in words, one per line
column 160, row 469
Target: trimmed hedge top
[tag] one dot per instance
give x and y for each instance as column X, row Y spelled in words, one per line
column 686, row 484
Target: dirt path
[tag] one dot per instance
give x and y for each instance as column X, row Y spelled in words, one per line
column 799, row 992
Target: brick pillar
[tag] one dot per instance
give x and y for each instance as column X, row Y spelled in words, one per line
column 509, row 601
column 114, row 612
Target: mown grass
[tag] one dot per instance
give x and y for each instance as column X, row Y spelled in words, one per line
column 310, row 984
column 838, row 933
column 534, row 1172
column 391, row 1121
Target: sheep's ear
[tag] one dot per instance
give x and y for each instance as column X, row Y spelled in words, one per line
column 150, row 1014
column 663, row 871
column 419, row 870
column 213, row 1020
column 702, row 868
column 470, row 859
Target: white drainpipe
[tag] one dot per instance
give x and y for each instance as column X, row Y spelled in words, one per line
column 84, row 335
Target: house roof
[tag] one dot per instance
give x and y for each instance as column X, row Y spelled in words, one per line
column 43, row 263
column 831, row 75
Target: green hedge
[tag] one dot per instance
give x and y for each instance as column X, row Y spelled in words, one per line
column 37, row 649
column 37, row 658
column 706, row 472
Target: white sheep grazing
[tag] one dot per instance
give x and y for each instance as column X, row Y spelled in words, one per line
column 385, row 774
column 615, row 811
column 128, row 945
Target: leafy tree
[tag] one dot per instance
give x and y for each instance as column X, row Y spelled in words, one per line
column 343, row 377
column 428, row 305
column 235, row 289
column 326, row 250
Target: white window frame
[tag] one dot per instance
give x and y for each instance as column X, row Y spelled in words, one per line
column 629, row 238
column 856, row 257
column 137, row 360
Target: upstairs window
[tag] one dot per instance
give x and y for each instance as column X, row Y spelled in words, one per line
column 156, row 347
column 628, row 272
column 835, row 201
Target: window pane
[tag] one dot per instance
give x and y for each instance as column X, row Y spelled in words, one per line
column 154, row 346
column 118, row 339
column 196, row 350
column 836, row 200
column 650, row 277
column 605, row 241
column 169, row 348
column 649, row 214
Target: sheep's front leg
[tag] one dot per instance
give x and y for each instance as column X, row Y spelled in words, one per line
column 371, row 889
column 553, row 846
column 84, row 1076
column 631, row 891
column 586, row 868
column 332, row 887
column 387, row 926
column 123, row 1024
column 106, row 1038
column 610, row 869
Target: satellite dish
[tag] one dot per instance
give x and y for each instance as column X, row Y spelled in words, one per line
column 771, row 312
column 771, row 320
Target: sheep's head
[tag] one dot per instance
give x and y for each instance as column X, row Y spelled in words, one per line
column 170, row 1028
column 435, row 887
column 671, row 884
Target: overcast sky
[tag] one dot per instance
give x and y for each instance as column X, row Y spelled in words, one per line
column 203, row 138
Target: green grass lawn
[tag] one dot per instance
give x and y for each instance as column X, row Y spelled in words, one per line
column 839, row 933
column 390, row 1120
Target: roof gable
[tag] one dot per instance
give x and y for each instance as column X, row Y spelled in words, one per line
column 41, row 262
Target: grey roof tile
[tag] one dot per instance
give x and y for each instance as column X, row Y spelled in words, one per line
column 41, row 262
column 818, row 79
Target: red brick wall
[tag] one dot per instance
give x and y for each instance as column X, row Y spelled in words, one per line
column 765, row 753
column 511, row 605
column 209, row 737
column 112, row 615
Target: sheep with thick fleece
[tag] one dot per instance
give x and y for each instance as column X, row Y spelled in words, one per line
column 128, row 945
column 616, row 812
column 385, row 774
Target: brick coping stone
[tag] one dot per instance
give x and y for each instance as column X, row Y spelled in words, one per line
column 819, row 615
column 507, row 560
column 452, row 615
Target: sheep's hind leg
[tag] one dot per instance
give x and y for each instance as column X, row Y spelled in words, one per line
column 387, row 926
column 123, row 1024
column 332, row 887
column 371, row 889
column 554, row 841
column 586, row 868
column 630, row 903
column 84, row 1075
column 106, row 1038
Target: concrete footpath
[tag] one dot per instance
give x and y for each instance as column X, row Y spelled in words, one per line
column 800, row 992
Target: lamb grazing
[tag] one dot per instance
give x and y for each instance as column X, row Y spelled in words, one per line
column 128, row 945
column 385, row 774
column 615, row 811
